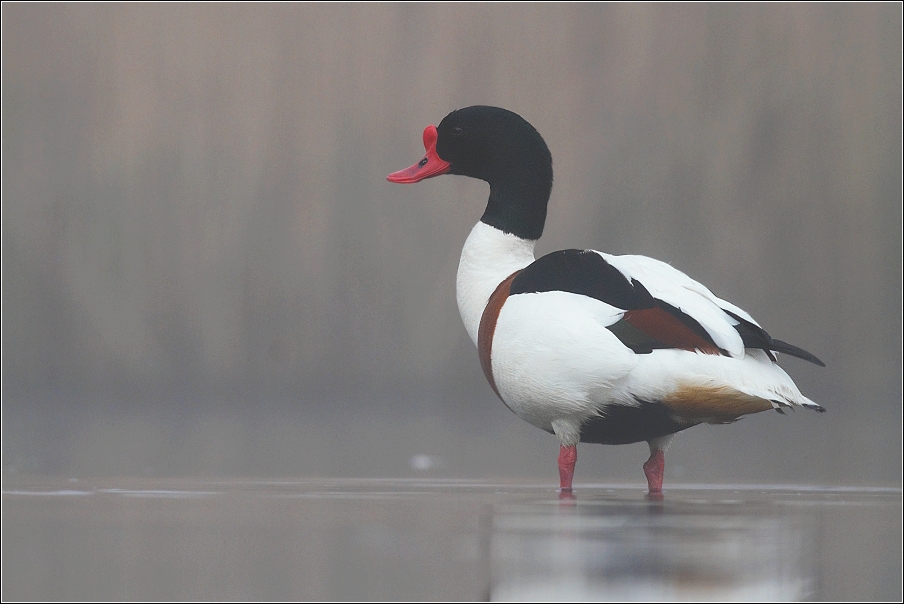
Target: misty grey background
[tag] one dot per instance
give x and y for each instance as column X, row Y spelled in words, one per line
column 206, row 273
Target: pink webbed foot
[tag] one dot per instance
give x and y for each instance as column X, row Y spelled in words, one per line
column 567, row 458
column 654, row 469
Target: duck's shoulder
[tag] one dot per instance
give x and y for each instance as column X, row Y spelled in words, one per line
column 626, row 282
column 583, row 272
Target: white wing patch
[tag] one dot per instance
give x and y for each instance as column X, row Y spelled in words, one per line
column 693, row 298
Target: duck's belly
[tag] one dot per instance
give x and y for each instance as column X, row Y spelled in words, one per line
column 623, row 424
column 553, row 359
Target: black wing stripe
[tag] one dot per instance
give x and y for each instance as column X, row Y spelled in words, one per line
column 582, row 272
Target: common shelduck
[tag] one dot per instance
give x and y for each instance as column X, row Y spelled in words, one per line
column 585, row 345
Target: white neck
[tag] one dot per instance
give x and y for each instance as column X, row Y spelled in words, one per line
column 489, row 256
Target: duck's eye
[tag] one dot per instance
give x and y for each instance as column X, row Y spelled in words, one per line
column 457, row 130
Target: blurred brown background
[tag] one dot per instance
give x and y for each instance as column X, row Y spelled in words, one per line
column 206, row 273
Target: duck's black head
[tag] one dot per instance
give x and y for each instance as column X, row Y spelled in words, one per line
column 500, row 147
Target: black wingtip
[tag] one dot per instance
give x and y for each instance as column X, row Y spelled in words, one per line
column 794, row 351
column 782, row 405
column 755, row 336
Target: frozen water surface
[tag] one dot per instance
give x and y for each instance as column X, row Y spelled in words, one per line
column 323, row 539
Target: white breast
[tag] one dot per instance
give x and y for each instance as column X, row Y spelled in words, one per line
column 488, row 257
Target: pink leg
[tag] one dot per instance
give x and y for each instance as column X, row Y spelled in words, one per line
column 654, row 469
column 567, row 457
